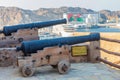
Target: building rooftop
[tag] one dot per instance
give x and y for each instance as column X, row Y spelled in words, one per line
column 78, row 71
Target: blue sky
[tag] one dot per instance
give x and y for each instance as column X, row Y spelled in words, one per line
column 89, row 4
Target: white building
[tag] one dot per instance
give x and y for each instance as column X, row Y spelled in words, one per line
column 89, row 19
column 64, row 30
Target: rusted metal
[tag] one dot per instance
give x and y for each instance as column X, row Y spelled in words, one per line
column 111, row 40
column 109, row 63
column 109, row 52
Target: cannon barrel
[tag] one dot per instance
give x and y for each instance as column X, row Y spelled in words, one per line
column 7, row 30
column 29, row 47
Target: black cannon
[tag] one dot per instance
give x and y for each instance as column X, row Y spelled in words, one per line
column 52, row 52
column 7, row 30
column 29, row 47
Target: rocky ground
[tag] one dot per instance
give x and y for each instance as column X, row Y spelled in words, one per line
column 80, row 71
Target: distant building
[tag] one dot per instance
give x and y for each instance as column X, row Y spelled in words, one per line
column 64, row 30
column 77, row 18
column 73, row 17
column 91, row 19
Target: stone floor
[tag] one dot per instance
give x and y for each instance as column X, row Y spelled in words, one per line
column 81, row 71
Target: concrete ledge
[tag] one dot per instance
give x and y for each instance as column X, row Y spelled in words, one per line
column 81, row 71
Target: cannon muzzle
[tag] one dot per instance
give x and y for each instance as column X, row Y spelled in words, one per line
column 7, row 30
column 29, row 47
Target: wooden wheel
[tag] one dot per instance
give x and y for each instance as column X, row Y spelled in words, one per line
column 63, row 66
column 27, row 70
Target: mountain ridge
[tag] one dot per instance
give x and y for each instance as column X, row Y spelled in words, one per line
column 15, row 15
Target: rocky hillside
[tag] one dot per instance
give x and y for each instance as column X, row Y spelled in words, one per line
column 14, row 15
column 107, row 14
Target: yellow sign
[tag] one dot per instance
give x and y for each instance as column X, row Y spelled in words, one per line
column 79, row 50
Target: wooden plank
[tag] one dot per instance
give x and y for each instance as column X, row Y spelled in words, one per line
column 109, row 52
column 111, row 40
column 109, row 63
column 93, row 52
